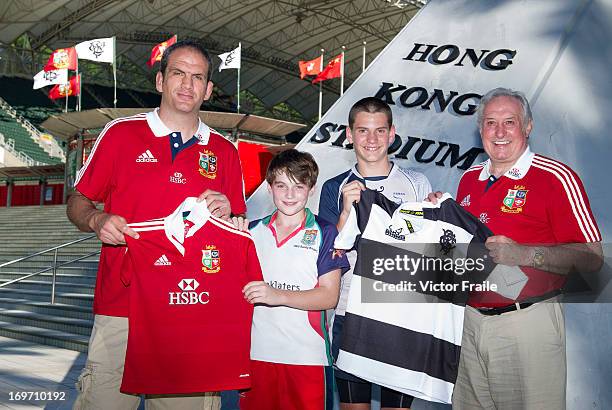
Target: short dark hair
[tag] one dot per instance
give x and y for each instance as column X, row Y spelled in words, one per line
column 299, row 166
column 371, row 105
column 186, row 44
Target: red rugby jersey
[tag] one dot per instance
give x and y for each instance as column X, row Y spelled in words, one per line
column 189, row 324
column 131, row 170
column 538, row 201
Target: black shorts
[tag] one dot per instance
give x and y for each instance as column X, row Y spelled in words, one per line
column 361, row 392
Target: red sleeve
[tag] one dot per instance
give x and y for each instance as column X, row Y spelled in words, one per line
column 570, row 215
column 253, row 269
column 234, row 186
column 95, row 179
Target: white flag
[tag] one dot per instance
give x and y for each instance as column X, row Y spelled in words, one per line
column 231, row 59
column 45, row 78
column 100, row 49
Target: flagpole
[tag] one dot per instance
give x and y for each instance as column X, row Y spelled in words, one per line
column 321, row 86
column 363, row 60
column 238, row 86
column 342, row 73
column 115, row 69
column 80, row 86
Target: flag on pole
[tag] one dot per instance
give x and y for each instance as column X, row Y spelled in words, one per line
column 62, row 58
column 333, row 70
column 231, row 59
column 45, row 78
column 100, row 49
column 158, row 51
column 312, row 67
column 71, row 88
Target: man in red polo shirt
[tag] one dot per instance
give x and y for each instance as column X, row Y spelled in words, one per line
column 143, row 167
column 513, row 351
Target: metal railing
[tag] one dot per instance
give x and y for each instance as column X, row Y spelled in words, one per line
column 53, row 267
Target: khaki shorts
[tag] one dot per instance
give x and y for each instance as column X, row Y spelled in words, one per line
column 515, row 360
column 99, row 382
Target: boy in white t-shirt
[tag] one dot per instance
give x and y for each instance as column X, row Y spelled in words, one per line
column 290, row 349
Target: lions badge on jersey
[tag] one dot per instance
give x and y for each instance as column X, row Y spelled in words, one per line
column 310, row 237
column 208, row 164
column 515, row 200
column 211, row 260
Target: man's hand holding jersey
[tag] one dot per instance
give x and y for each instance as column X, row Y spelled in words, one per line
column 218, row 204
column 110, row 228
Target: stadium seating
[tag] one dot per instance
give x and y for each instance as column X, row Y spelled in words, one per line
column 11, row 128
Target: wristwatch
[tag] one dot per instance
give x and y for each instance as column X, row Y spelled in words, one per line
column 538, row 258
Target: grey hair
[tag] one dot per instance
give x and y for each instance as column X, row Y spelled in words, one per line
column 505, row 92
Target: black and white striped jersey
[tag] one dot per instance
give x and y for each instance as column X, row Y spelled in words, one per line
column 404, row 317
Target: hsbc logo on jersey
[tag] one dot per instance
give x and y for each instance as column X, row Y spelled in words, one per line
column 188, row 294
column 177, row 178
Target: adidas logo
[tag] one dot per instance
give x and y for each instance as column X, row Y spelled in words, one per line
column 162, row 261
column 146, row 157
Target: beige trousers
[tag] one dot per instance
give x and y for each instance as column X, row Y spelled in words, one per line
column 515, row 360
column 99, row 382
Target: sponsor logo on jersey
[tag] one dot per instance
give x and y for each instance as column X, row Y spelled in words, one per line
column 515, row 172
column 244, row 375
column 447, row 241
column 310, row 237
column 409, row 226
column 395, row 234
column 188, row 294
column 484, row 218
column 208, row 164
column 515, row 200
column 177, row 178
column 337, row 253
column 411, row 212
column 465, row 201
column 211, row 260
column 162, row 261
column 146, row 156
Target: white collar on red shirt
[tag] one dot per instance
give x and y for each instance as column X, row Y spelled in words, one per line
column 174, row 224
column 161, row 130
column 518, row 170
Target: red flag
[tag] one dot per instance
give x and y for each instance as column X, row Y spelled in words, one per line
column 312, row 67
column 158, row 50
column 62, row 58
column 72, row 88
column 333, row 70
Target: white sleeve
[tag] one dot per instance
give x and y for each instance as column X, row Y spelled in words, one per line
column 349, row 232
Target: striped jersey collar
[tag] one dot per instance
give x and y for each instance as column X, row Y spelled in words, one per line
column 161, row 130
column 518, row 170
column 376, row 178
column 308, row 222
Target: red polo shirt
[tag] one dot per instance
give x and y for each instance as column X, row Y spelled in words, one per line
column 131, row 170
column 538, row 201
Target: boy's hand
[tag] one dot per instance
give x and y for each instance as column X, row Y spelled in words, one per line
column 241, row 223
column 351, row 193
column 261, row 292
column 433, row 197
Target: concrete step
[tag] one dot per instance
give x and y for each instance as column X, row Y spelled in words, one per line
column 78, row 299
column 84, row 277
column 35, row 319
column 46, row 308
column 60, row 287
column 44, row 336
